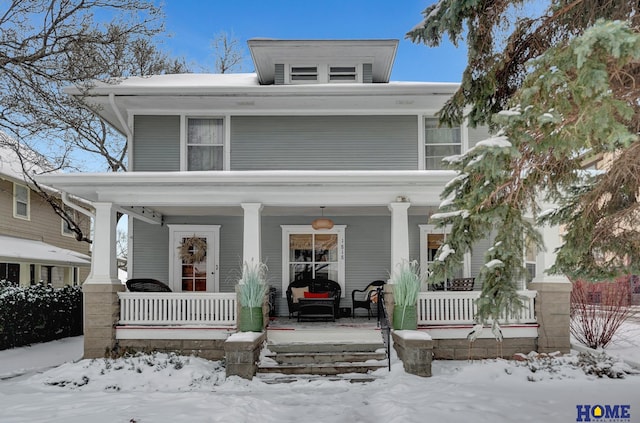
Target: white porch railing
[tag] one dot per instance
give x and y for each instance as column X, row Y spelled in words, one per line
column 160, row 308
column 459, row 308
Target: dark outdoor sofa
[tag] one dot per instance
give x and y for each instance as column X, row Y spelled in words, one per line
column 315, row 286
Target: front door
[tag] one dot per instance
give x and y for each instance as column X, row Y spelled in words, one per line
column 194, row 257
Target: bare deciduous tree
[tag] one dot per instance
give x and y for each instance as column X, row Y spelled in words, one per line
column 46, row 45
column 227, row 52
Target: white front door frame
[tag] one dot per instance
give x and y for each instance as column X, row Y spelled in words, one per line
column 212, row 233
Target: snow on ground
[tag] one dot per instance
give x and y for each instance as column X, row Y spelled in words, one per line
column 168, row 388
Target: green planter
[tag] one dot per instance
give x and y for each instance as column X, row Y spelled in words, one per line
column 405, row 317
column 250, row 319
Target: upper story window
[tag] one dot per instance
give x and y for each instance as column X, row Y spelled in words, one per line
column 205, row 144
column 302, row 74
column 342, row 74
column 21, row 201
column 440, row 142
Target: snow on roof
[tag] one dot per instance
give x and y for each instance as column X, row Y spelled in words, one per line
column 188, row 80
column 20, row 249
column 10, row 162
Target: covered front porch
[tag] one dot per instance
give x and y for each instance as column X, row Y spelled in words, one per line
column 380, row 219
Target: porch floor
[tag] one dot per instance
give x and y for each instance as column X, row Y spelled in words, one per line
column 282, row 330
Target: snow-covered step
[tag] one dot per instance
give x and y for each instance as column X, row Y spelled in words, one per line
column 324, row 369
column 326, row 357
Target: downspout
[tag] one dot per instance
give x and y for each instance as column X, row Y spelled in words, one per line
column 112, row 102
column 67, row 202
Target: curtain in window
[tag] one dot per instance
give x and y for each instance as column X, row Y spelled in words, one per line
column 205, row 144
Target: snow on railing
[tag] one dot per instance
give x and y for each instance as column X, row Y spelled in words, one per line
column 161, row 308
column 459, row 307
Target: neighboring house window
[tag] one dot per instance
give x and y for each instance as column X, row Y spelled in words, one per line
column 21, row 203
column 431, row 238
column 440, row 142
column 307, row 253
column 205, row 144
column 530, row 259
column 10, row 272
column 342, row 74
column 303, row 74
column 66, row 229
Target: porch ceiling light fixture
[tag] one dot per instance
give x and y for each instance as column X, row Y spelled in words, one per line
column 322, row 222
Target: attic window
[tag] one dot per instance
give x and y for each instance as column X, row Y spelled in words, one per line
column 342, row 74
column 304, row 73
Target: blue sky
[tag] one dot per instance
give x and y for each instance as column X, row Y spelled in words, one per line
column 194, row 23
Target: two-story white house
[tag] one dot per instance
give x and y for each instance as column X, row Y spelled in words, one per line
column 244, row 163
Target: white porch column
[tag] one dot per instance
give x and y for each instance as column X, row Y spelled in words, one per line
column 104, row 269
column 251, row 240
column 399, row 233
column 546, row 258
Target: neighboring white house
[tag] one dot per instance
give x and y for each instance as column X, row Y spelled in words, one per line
column 35, row 243
column 243, row 163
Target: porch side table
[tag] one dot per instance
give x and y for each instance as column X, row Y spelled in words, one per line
column 316, row 309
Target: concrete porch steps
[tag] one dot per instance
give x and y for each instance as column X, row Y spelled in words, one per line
column 295, row 356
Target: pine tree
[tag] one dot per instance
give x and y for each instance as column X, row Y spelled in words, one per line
column 563, row 87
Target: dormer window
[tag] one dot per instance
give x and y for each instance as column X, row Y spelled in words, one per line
column 304, row 74
column 342, row 74
column 321, row 73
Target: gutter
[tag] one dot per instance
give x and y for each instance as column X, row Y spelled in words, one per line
column 67, row 202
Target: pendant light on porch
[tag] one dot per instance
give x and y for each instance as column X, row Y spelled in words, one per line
column 322, row 222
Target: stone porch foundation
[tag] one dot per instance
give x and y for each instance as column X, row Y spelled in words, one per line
column 210, row 349
column 101, row 314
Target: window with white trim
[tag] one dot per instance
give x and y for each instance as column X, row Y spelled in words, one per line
column 431, row 238
column 309, row 253
column 530, row 253
column 21, row 201
column 440, row 142
column 205, row 144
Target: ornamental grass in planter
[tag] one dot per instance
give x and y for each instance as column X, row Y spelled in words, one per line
column 406, row 285
column 252, row 289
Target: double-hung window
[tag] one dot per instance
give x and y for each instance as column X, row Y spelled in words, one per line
column 205, row 144
column 440, row 142
column 21, row 201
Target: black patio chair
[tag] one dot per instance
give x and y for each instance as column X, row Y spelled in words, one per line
column 146, row 285
column 366, row 297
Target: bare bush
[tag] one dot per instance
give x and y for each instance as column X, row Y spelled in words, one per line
column 598, row 310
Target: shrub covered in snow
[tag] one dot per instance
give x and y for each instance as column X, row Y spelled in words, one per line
column 38, row 313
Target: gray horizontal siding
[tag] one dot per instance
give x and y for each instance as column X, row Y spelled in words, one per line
column 478, row 134
column 367, row 259
column 150, row 251
column 323, row 142
column 368, row 251
column 156, row 143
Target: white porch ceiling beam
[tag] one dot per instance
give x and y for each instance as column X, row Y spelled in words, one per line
column 144, row 214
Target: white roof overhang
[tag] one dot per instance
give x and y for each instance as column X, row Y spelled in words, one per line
column 198, row 93
column 203, row 190
column 266, row 53
column 26, row 250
